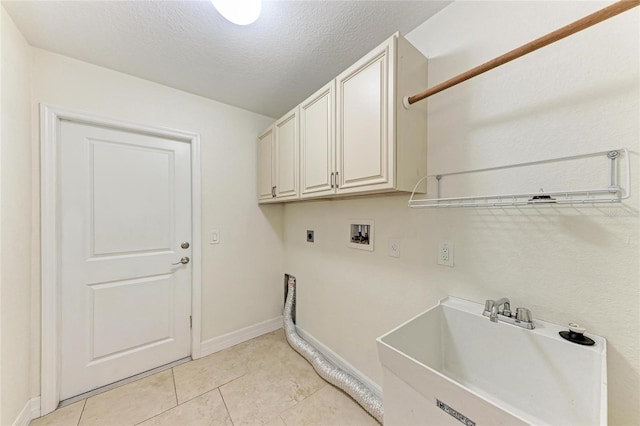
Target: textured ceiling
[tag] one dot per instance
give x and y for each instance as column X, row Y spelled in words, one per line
column 267, row 67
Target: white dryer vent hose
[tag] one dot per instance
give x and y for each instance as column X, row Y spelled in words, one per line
column 329, row 372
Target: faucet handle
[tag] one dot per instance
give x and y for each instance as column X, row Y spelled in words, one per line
column 523, row 315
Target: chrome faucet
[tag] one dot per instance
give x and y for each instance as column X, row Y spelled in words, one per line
column 521, row 319
column 493, row 316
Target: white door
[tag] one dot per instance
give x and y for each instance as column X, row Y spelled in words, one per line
column 125, row 212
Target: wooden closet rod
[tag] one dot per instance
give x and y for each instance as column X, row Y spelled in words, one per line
column 579, row 25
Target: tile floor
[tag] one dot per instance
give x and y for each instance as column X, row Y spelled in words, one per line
column 259, row 382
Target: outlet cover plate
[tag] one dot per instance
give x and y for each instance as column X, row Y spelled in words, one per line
column 445, row 253
column 394, row 247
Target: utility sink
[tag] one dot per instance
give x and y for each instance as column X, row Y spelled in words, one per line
column 450, row 364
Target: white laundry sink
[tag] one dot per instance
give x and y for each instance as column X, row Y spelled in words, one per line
column 450, row 364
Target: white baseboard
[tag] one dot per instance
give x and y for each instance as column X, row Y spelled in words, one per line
column 30, row 411
column 35, row 407
column 340, row 362
column 225, row 341
column 24, row 417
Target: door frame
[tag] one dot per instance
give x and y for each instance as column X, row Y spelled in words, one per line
column 50, row 131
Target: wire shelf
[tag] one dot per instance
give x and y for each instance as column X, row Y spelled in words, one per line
column 612, row 194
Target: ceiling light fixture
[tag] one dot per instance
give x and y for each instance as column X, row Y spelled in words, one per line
column 240, row 12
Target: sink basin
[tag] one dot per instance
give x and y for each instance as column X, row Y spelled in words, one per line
column 450, row 364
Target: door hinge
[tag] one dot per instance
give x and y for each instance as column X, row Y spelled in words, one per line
column 190, row 321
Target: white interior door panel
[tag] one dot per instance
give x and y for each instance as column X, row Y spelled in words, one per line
column 125, row 209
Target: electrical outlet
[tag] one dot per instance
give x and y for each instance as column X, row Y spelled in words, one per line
column 394, row 247
column 445, row 253
column 310, row 236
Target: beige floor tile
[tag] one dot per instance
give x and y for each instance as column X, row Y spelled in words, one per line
column 328, row 406
column 263, row 351
column 205, row 374
column 207, row 409
column 272, row 352
column 132, row 403
column 263, row 393
column 66, row 416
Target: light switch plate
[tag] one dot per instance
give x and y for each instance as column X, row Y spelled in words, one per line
column 215, row 237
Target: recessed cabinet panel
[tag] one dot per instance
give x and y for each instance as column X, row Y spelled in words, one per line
column 265, row 165
column 363, row 140
column 286, row 167
column 317, row 143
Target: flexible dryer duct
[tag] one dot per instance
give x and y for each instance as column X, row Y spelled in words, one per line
column 329, row 372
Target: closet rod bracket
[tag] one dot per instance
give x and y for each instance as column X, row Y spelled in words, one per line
column 613, row 168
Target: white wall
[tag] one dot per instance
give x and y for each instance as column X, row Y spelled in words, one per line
column 15, row 221
column 577, row 96
column 241, row 276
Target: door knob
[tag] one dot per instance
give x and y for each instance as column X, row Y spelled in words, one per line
column 184, row 261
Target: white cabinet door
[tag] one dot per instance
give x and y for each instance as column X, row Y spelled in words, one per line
column 317, row 143
column 364, row 136
column 286, row 156
column 265, row 165
column 125, row 209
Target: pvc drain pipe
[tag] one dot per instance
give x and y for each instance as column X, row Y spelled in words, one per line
column 329, row 372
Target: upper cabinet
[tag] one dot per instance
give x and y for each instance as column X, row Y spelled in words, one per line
column 355, row 136
column 265, row 165
column 286, row 156
column 317, row 143
column 278, row 161
column 380, row 145
column 365, row 128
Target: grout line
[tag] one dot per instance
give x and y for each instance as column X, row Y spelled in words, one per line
column 232, row 380
column 225, row 406
column 172, row 408
column 82, row 412
column 154, row 416
column 212, row 389
column 167, row 410
column 175, row 391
